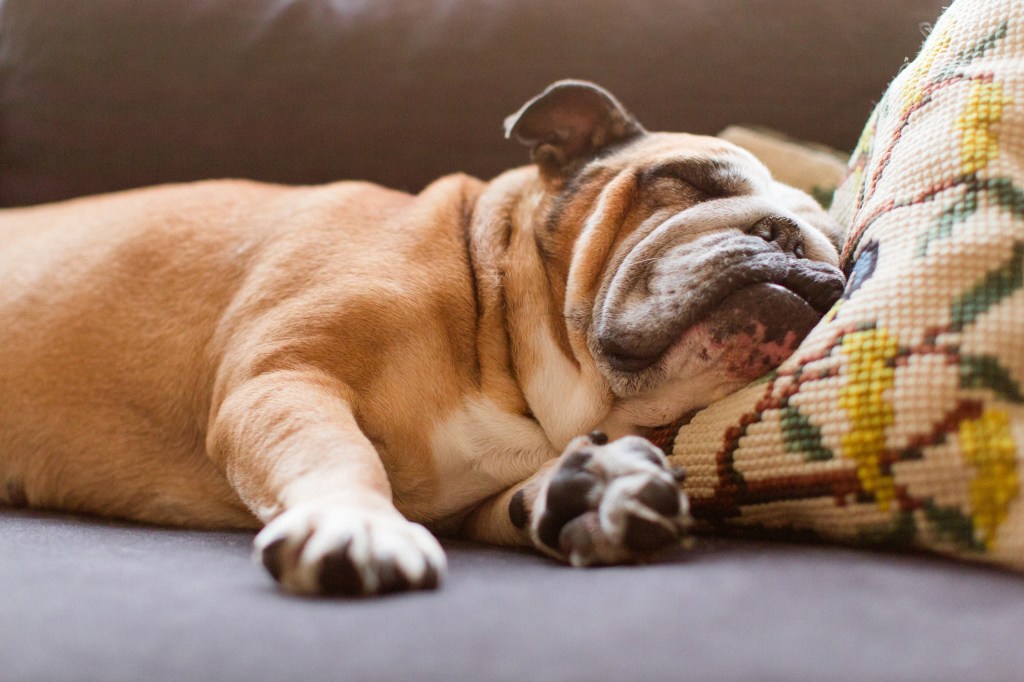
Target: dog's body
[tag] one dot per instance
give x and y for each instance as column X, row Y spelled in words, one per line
column 332, row 359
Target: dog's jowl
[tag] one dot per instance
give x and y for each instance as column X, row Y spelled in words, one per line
column 346, row 366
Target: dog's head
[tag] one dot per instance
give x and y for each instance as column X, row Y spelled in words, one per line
column 683, row 269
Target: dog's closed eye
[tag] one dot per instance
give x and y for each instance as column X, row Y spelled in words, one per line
column 712, row 178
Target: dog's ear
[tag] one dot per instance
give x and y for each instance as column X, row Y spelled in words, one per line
column 568, row 123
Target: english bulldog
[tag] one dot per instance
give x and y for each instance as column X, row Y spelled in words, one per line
column 346, row 366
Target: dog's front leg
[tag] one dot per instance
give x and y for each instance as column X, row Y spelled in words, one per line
column 598, row 503
column 290, row 446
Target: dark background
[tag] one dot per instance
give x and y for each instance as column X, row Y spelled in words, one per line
column 108, row 94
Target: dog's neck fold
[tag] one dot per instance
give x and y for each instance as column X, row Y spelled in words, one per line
column 565, row 395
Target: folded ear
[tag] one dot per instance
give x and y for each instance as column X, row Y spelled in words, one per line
column 569, row 123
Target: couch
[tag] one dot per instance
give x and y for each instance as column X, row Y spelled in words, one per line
column 108, row 94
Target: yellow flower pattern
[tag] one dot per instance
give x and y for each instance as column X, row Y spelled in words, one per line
column 984, row 109
column 870, row 376
column 988, row 446
column 899, row 419
column 916, row 78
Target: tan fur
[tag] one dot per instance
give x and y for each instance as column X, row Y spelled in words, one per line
column 140, row 328
column 216, row 354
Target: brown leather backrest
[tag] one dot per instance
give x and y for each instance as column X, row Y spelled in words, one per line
column 108, row 94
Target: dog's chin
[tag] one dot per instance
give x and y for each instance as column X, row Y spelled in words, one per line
column 753, row 330
column 749, row 332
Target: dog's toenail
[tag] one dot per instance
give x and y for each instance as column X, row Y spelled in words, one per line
column 392, row 579
column 517, row 510
column 272, row 558
column 338, row 573
column 430, row 579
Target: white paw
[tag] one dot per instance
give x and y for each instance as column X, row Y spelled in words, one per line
column 610, row 503
column 322, row 549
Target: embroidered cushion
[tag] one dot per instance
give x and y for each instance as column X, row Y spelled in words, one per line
column 900, row 419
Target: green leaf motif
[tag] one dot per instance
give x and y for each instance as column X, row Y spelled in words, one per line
column 956, row 213
column 900, row 533
column 984, row 45
column 1001, row 191
column 802, row 437
column 824, row 194
column 965, row 57
column 954, row 526
column 1008, row 196
column 984, row 371
column 996, row 286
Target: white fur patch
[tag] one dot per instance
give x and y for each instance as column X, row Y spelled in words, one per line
column 561, row 398
column 479, row 450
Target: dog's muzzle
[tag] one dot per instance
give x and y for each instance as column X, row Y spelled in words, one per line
column 742, row 303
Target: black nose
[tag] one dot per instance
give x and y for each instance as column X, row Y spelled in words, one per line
column 781, row 231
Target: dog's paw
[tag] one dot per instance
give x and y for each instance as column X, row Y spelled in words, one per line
column 319, row 549
column 610, row 503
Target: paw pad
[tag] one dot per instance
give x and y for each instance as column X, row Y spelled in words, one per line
column 608, row 503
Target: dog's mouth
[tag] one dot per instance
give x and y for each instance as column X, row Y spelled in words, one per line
column 754, row 330
column 744, row 331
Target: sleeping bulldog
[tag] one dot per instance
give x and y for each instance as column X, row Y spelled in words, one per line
column 346, row 365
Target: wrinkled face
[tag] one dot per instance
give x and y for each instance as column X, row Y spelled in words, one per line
column 689, row 271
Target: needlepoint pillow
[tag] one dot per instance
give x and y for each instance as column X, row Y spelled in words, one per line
column 900, row 419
